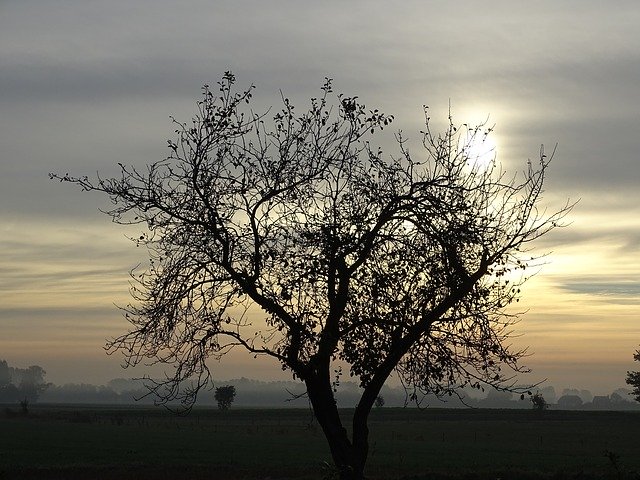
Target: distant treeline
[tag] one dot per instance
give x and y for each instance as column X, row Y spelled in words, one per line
column 17, row 383
column 255, row 393
column 21, row 384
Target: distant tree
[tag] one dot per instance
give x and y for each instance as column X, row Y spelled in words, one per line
column 382, row 263
column 617, row 399
column 549, row 394
column 620, row 400
column 379, row 401
column 624, row 393
column 499, row 397
column 585, row 395
column 601, row 402
column 24, row 406
column 18, row 384
column 633, row 378
column 570, row 401
column 225, row 396
column 5, row 374
column 8, row 391
column 32, row 383
column 538, row 402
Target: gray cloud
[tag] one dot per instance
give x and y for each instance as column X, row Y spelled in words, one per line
column 621, row 240
column 613, row 290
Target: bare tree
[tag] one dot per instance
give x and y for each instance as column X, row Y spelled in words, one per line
column 354, row 258
column 633, row 378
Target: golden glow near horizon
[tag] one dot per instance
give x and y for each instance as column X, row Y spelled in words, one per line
column 61, row 283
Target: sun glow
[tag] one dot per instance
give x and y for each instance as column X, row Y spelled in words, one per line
column 479, row 145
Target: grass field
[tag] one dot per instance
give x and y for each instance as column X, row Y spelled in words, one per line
column 151, row 443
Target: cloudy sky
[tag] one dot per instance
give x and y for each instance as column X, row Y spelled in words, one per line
column 86, row 84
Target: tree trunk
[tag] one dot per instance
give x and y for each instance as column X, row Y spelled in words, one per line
column 349, row 458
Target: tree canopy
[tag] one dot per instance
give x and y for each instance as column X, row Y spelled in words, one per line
column 225, row 396
column 357, row 259
column 633, row 378
column 21, row 384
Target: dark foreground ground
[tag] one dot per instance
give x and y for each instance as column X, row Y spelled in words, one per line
column 153, row 444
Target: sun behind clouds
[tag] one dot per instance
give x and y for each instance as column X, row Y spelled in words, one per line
column 478, row 143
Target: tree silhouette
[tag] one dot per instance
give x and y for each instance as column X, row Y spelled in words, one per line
column 21, row 384
column 225, row 396
column 5, row 374
column 354, row 258
column 633, row 378
column 538, row 402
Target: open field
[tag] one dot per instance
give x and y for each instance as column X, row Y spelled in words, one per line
column 151, row 443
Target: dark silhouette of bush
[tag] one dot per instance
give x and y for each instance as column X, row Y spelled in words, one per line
column 633, row 378
column 225, row 396
column 21, row 384
column 538, row 402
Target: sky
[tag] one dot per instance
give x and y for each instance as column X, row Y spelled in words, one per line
column 87, row 84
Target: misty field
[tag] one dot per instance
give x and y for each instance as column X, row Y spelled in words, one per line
column 151, row 443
